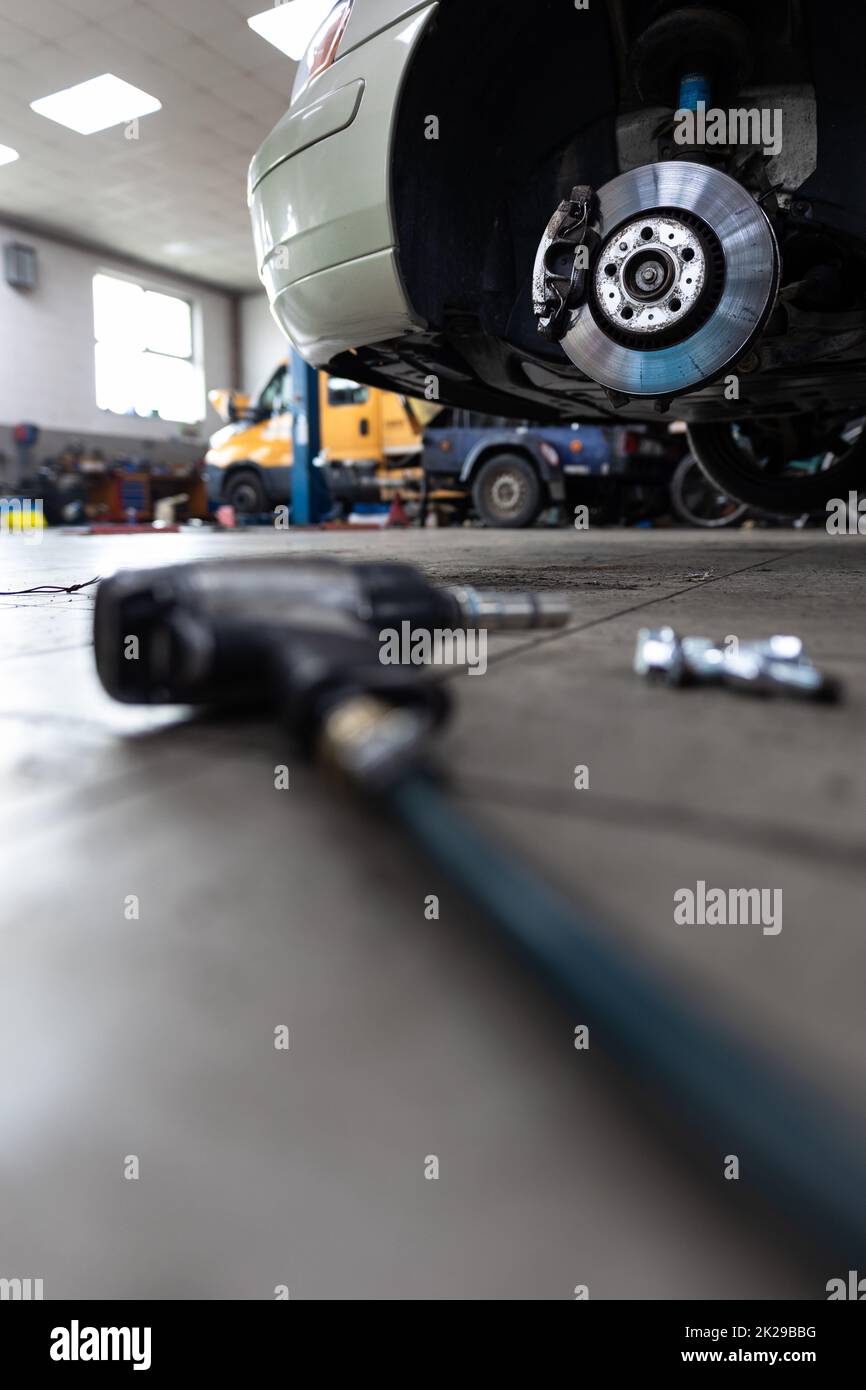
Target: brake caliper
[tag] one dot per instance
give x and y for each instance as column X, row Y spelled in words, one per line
column 559, row 277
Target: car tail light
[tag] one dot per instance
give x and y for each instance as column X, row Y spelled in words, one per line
column 548, row 453
column 321, row 53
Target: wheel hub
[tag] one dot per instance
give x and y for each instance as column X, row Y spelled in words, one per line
column 505, row 492
column 245, row 498
column 650, row 275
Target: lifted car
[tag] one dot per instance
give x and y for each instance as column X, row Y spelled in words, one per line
column 594, row 211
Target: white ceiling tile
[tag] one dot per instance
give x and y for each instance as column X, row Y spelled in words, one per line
column 244, row 133
column 10, row 102
column 202, row 65
column 45, row 17
column 104, row 51
column 54, row 68
column 279, row 75
column 260, row 103
column 17, row 82
column 197, row 16
column 153, row 76
column 98, row 9
column 237, row 42
column 200, row 109
column 14, row 41
column 145, row 29
column 31, row 201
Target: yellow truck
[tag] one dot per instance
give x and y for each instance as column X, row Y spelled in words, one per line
column 371, row 443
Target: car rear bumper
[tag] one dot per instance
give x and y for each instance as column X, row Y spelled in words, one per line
column 320, row 199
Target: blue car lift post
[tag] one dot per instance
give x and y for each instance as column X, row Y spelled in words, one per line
column 311, row 501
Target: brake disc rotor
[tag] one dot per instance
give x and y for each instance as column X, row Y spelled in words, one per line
column 686, row 274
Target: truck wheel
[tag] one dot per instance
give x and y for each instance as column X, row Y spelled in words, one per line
column 507, row 492
column 245, row 492
column 697, row 500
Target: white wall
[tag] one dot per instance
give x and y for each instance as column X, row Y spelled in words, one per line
column 46, row 343
column 262, row 343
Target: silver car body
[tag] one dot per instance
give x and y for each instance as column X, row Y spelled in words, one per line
column 320, row 198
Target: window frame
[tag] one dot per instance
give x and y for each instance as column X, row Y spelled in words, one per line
column 195, row 357
column 358, row 386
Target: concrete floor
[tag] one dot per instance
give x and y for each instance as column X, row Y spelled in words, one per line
column 409, row 1038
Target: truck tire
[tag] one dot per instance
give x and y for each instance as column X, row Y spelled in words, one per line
column 698, row 501
column 507, row 491
column 245, row 492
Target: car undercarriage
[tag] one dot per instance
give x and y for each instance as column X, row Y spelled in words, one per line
column 626, row 210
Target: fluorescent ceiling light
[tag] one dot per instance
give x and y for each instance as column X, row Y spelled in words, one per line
column 7, row 154
column 95, row 105
column 290, row 26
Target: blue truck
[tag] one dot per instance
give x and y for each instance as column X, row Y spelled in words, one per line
column 511, row 472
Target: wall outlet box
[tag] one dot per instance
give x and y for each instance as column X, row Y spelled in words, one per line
column 19, row 263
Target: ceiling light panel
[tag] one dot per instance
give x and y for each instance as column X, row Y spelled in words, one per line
column 97, row 104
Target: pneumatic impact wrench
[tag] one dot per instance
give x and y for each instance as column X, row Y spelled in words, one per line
column 299, row 636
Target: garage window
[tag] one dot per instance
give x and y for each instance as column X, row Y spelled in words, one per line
column 144, row 352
